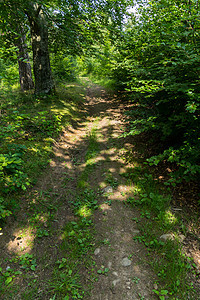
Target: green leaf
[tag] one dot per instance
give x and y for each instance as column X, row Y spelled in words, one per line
column 178, row 282
column 156, row 292
column 33, row 267
column 18, row 273
column 70, row 272
column 73, row 223
column 164, row 292
column 8, row 280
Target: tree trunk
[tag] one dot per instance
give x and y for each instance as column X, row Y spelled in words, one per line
column 44, row 83
column 25, row 75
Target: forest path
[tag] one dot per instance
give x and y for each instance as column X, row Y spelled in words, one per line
column 49, row 243
column 124, row 273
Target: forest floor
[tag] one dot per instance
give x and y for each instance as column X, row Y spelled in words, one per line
column 77, row 236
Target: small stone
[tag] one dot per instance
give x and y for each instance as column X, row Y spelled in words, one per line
column 115, row 282
column 115, row 273
column 109, row 264
column 167, row 236
column 108, row 189
column 97, row 251
column 155, row 286
column 126, row 262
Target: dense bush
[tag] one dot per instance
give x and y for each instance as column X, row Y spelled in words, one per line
column 159, row 64
column 64, row 67
column 99, row 60
column 9, row 73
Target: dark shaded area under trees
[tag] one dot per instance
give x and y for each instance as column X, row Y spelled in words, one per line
column 159, row 65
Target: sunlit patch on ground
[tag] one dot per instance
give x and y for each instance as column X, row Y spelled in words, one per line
column 104, row 207
column 84, row 211
column 121, row 193
column 22, row 241
column 170, row 218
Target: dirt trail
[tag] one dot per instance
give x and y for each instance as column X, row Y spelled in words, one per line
column 123, row 271
column 129, row 276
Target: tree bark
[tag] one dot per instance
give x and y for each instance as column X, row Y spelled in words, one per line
column 25, row 74
column 44, row 83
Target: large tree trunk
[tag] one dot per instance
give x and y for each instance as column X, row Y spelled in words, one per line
column 44, row 83
column 25, row 75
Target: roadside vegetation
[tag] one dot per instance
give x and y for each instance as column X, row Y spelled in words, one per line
column 29, row 127
column 152, row 67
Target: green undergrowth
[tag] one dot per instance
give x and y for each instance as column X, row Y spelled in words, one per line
column 29, row 126
column 157, row 217
column 75, row 250
column 76, row 238
column 105, row 82
column 23, row 266
column 182, row 157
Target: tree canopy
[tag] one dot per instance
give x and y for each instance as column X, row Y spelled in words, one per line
column 72, row 25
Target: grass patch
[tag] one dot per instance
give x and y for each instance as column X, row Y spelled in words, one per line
column 110, row 180
column 76, row 248
column 29, row 126
column 157, row 218
column 104, row 81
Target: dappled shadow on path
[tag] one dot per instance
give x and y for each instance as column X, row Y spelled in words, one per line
column 45, row 209
column 76, row 166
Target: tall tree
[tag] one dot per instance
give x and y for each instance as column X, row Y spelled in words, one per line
column 13, row 33
column 78, row 21
column 25, row 74
column 41, row 63
column 16, row 13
